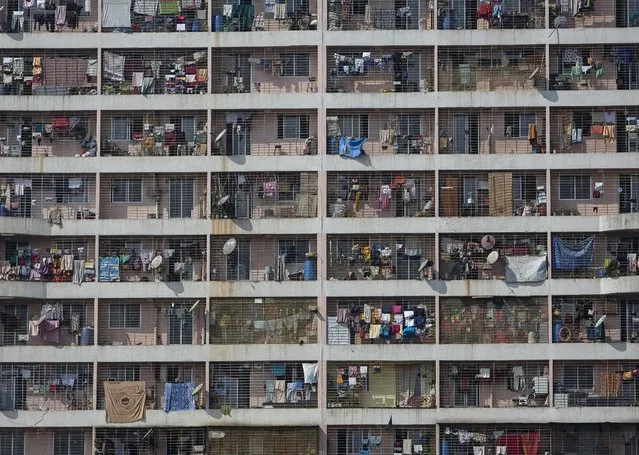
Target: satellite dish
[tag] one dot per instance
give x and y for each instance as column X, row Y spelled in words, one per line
column 229, row 246
column 156, row 262
column 223, row 200
column 220, row 136
column 601, row 320
column 492, row 257
column 197, row 389
column 488, row 242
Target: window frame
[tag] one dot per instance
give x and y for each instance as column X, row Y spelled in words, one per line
column 126, row 183
column 361, row 120
column 114, row 128
column 73, row 447
column 583, row 120
column 128, row 372
column 126, row 308
column 578, row 369
column 14, row 436
column 575, row 195
column 303, row 126
column 518, row 121
column 291, row 65
column 298, row 258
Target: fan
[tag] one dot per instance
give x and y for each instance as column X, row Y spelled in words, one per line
column 229, row 246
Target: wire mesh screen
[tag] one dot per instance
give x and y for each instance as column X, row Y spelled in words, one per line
column 46, row 16
column 496, row 320
column 155, row 17
column 456, row 15
column 604, row 383
column 57, row 441
column 380, row 70
column 158, row 379
column 264, row 321
column 468, row 193
column 380, row 15
column 594, row 130
column 251, row 258
column 272, row 385
column 149, row 441
column 585, row 255
column 512, row 257
column 154, row 71
column 271, row 17
column 20, row 319
column 39, row 134
column 494, row 384
column 381, row 320
column 491, row 68
column 598, row 439
column 380, row 385
column 153, row 196
column 384, row 257
column 137, row 259
column 154, row 133
column 385, row 132
column 49, row 259
column 151, row 322
column 264, row 195
column 286, row 132
column 46, row 386
column 381, row 194
column 460, row 439
column 492, row 131
column 345, row 440
column 262, row 440
column 591, row 15
column 268, row 70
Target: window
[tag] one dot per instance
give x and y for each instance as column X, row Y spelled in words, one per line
column 121, row 129
column 524, row 187
column 15, row 332
column 572, row 187
column 295, row 250
column 512, row 6
column 126, row 190
column 567, row 60
column 295, row 65
column 516, row 124
column 288, row 188
column 189, row 125
column 77, row 190
column 353, row 125
column 124, row 316
column 293, row 126
column 296, row 5
column 69, row 442
column 582, row 120
column 359, row 6
column 579, row 377
column 128, row 373
column 11, row 442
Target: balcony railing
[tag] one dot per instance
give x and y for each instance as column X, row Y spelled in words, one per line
column 420, row 439
column 290, row 440
column 155, row 16
column 482, row 16
column 461, row 438
column 260, row 17
column 47, row 17
column 416, row 15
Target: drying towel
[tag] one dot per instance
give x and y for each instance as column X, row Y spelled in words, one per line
column 179, row 397
column 113, row 65
column 146, row 7
column 92, row 67
column 64, row 72
column 310, row 372
column 78, row 271
column 67, row 263
column 124, row 401
column 169, row 7
column 136, row 79
column 116, row 13
column 50, row 330
column 61, row 15
column 575, row 256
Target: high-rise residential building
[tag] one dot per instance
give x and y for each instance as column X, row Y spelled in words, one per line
column 319, row 227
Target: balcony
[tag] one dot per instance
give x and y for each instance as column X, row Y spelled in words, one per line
column 579, row 319
column 47, row 17
column 515, row 258
column 497, row 320
column 380, row 70
column 154, row 16
column 270, row 70
column 492, row 131
column 414, row 15
column 63, row 325
column 483, row 16
column 599, row 438
column 494, row 384
column 288, row 440
column 379, row 321
column 176, row 440
column 594, row 15
column 259, row 17
column 594, row 384
column 389, row 257
column 264, row 195
column 459, row 439
column 157, row 322
column 264, row 321
column 46, row 386
column 381, row 385
column 154, row 71
column 41, row 440
column 147, row 259
column 381, row 440
column 385, row 132
column 64, row 134
column 159, row 133
column 470, row 194
column 49, row 72
column 491, row 68
column 265, row 258
column 264, row 385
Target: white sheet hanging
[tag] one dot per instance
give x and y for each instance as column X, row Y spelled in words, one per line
column 146, row 7
column 116, row 13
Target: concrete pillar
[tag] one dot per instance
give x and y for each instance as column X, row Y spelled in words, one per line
column 98, row 128
column 97, row 196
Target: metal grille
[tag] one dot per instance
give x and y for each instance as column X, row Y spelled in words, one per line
column 46, row 134
column 153, row 196
column 151, row 322
column 385, row 257
column 49, row 72
column 285, row 132
column 494, row 384
column 379, row 15
column 143, row 441
column 260, row 385
column 592, row 15
column 495, row 320
column 360, row 320
column 268, row 70
column 381, row 385
column 254, row 258
column 132, row 259
column 492, row 131
column 48, row 17
column 491, row 68
column 386, row 132
column 482, row 15
column 597, row 439
column 264, row 321
column 271, row 17
column 154, row 71
column 156, row 17
column 346, row 440
column 264, row 195
column 258, row 441
column 460, row 439
column 46, row 386
column 468, row 193
column 12, row 442
column 380, row 70
column 159, row 133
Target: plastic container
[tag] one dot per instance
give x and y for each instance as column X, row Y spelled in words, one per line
column 310, row 268
column 86, row 336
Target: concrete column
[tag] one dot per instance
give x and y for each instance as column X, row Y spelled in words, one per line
column 551, row 379
column 207, row 276
column 547, row 17
column 322, row 71
column 436, row 70
column 209, row 128
column 97, row 196
column 321, row 17
column 207, row 209
column 436, row 273
column 547, row 59
column 99, row 24
column 207, row 320
column 98, row 127
column 436, row 193
column 95, row 386
column 207, row 379
column 437, row 303
column 547, row 135
column 435, row 17
column 95, row 316
column 437, row 429
column 437, row 387
column 99, row 78
column 209, row 83
column 323, row 439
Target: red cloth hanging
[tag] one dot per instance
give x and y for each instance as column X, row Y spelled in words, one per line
column 530, row 443
column 512, row 443
column 60, row 122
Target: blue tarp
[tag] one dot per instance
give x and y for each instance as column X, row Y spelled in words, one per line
column 576, row 256
column 351, row 148
column 178, row 397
